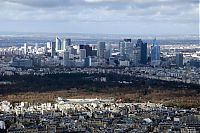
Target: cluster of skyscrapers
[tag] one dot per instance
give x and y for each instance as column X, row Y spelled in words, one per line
column 102, row 54
column 134, row 53
column 64, row 52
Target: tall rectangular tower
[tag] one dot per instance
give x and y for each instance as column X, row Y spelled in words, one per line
column 155, row 54
column 179, row 60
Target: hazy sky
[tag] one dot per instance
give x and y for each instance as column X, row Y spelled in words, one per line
column 143, row 17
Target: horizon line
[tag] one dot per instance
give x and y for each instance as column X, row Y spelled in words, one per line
column 89, row 33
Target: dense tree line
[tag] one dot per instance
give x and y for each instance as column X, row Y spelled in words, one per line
column 89, row 82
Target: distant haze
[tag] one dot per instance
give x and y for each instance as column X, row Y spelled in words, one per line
column 18, row 39
column 139, row 17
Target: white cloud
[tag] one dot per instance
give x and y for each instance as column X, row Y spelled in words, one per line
column 101, row 11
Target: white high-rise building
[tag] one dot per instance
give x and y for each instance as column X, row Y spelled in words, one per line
column 48, row 45
column 25, row 49
column 77, row 47
column 59, row 46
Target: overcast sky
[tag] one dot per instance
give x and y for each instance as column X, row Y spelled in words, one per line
column 140, row 17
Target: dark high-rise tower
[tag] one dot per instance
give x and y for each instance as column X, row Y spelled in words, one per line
column 179, row 60
column 88, row 49
column 53, row 48
column 143, row 51
column 101, row 49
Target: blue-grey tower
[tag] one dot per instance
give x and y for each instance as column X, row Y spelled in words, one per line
column 179, row 60
column 155, row 54
column 101, row 49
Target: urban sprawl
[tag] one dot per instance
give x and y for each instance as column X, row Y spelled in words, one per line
column 179, row 63
column 96, row 115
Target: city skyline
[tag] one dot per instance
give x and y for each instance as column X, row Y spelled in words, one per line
column 156, row 17
column 99, row 66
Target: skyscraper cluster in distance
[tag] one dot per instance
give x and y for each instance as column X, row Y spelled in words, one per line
column 118, row 53
column 103, row 54
column 148, row 60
